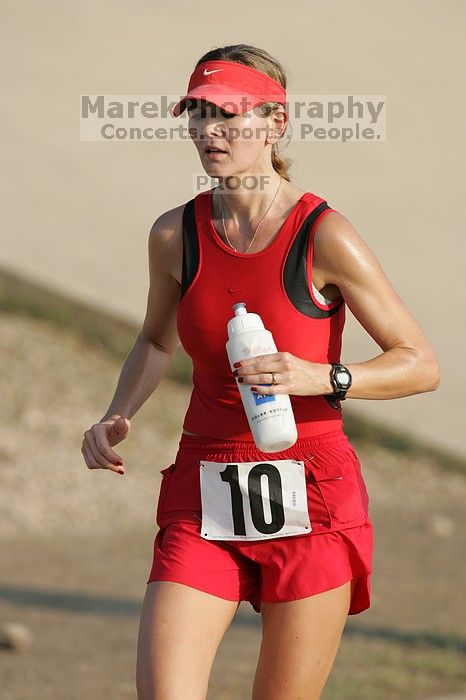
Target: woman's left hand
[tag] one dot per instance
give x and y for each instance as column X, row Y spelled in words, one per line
column 293, row 375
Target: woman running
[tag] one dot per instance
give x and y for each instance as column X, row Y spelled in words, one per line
column 260, row 239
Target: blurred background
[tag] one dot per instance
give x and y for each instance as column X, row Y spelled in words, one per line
column 75, row 545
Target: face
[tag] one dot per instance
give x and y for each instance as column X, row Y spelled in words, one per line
column 242, row 138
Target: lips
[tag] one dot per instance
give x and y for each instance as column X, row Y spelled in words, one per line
column 213, row 149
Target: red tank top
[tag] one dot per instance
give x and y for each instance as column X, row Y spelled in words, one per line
column 274, row 283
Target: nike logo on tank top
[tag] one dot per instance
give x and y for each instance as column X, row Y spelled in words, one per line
column 274, row 283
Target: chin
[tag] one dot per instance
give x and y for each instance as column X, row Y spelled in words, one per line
column 214, row 170
column 215, row 173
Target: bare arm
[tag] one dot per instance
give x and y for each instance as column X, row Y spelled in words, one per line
column 153, row 351
column 408, row 364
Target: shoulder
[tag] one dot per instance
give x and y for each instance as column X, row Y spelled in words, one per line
column 165, row 243
column 342, row 257
column 341, row 253
column 168, row 224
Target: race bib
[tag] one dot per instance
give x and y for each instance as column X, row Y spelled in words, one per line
column 253, row 500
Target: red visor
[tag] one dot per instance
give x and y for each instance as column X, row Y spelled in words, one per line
column 232, row 86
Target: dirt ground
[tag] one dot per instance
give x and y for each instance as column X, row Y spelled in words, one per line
column 82, row 603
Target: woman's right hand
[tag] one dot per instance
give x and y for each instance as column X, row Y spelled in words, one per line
column 99, row 439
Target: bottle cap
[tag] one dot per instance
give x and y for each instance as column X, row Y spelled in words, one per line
column 243, row 321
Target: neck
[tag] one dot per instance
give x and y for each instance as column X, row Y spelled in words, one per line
column 245, row 205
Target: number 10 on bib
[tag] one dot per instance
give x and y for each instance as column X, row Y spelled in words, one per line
column 253, row 500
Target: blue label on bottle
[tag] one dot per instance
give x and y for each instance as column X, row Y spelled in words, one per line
column 259, row 399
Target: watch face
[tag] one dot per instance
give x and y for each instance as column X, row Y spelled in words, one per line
column 342, row 377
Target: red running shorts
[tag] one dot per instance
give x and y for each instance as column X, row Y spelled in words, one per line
column 338, row 548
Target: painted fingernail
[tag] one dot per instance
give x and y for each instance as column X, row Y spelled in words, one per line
column 254, row 388
column 241, row 379
column 120, row 471
column 119, row 464
column 235, row 372
column 237, row 364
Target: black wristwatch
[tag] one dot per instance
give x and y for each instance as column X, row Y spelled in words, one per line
column 341, row 379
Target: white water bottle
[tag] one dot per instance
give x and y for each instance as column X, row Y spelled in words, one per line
column 270, row 417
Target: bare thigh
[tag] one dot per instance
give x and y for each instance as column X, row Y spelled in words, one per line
column 179, row 633
column 300, row 641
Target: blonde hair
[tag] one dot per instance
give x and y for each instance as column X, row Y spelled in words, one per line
column 261, row 60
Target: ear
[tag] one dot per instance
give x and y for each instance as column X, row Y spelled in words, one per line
column 281, row 115
column 277, row 121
